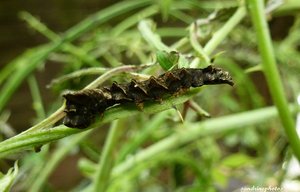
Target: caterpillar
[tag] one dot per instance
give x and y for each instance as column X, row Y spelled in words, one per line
column 83, row 106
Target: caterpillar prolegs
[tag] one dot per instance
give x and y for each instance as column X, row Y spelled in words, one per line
column 83, row 106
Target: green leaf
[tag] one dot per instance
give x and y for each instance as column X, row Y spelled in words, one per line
column 237, row 160
column 167, row 60
column 7, row 180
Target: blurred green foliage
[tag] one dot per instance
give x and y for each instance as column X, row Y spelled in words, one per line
column 156, row 152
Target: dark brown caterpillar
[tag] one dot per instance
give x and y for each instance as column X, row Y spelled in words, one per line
column 82, row 106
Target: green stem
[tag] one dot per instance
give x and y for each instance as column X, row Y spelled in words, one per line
column 23, row 68
column 221, row 34
column 113, row 72
column 55, row 159
column 144, row 134
column 132, row 20
column 256, row 8
column 105, row 165
column 77, row 74
column 193, row 131
column 43, row 29
column 197, row 46
column 36, row 97
column 152, row 38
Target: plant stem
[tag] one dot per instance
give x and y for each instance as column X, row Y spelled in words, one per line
column 105, row 164
column 151, row 37
column 197, row 46
column 256, row 8
column 113, row 72
column 36, row 97
column 222, row 33
column 55, row 159
column 43, row 29
column 192, row 131
column 144, row 134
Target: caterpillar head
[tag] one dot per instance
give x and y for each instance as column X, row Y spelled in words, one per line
column 212, row 75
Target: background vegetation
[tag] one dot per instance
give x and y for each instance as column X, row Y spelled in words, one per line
column 245, row 142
